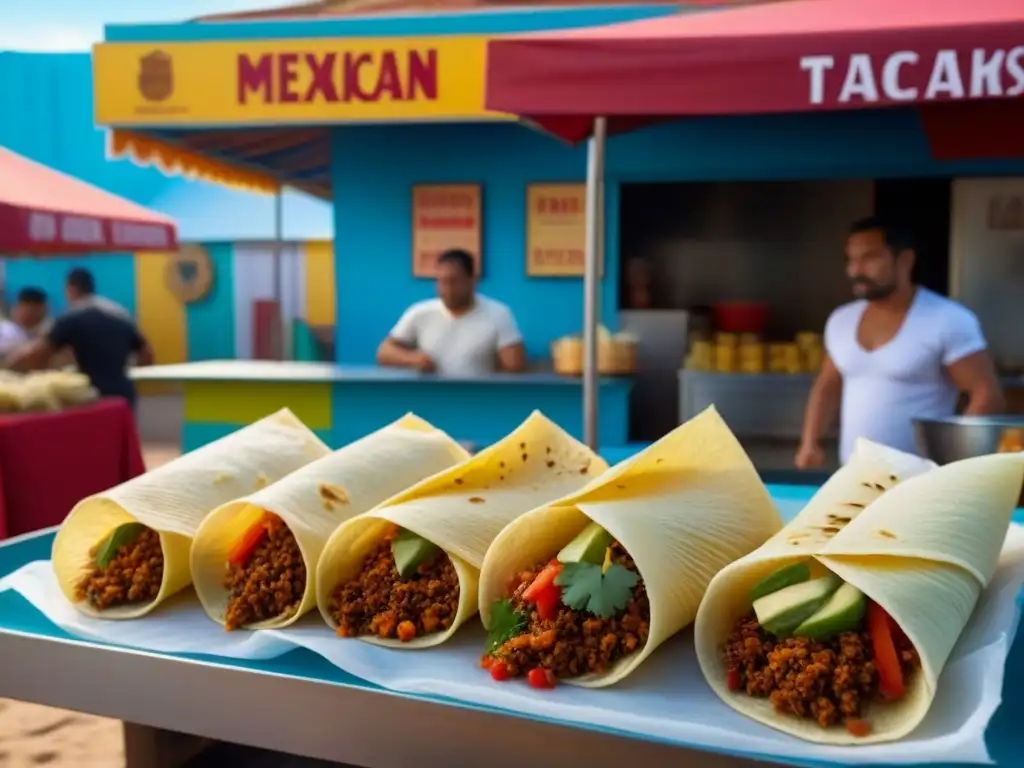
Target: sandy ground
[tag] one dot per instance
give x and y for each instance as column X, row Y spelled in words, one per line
column 31, row 735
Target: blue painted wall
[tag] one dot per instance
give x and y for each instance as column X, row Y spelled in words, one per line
column 114, row 273
column 210, row 323
column 374, row 169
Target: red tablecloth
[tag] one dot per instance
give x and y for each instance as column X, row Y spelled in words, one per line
column 48, row 461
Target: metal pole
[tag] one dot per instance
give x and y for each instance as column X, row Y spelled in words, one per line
column 592, row 279
column 282, row 322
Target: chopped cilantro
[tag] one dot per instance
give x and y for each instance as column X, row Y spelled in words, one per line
column 602, row 592
column 506, row 623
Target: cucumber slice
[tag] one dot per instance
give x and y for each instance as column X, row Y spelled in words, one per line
column 780, row 579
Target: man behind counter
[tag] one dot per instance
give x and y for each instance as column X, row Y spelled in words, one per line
column 101, row 334
column 897, row 353
column 461, row 333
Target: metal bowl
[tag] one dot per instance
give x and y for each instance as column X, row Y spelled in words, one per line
column 961, row 437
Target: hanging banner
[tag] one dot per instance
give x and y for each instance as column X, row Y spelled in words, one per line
column 445, row 216
column 280, row 82
column 555, row 230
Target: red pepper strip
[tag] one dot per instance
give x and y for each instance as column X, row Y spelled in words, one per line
column 547, row 603
column 732, row 679
column 246, row 545
column 887, row 660
column 545, row 580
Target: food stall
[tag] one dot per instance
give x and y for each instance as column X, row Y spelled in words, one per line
column 913, row 104
column 91, row 446
column 207, row 99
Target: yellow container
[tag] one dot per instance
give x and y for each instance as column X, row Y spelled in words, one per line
column 702, row 356
column 793, row 360
column 752, row 358
column 749, row 338
column 777, row 358
column 812, row 359
column 727, row 339
column 808, row 340
column 725, row 358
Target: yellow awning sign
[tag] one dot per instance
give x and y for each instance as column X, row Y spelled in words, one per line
column 176, row 161
column 275, row 82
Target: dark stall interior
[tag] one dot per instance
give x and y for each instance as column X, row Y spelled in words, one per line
column 777, row 243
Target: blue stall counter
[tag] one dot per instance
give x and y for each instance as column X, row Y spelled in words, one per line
column 342, row 403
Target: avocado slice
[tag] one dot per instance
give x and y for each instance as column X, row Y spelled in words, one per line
column 783, row 611
column 588, row 546
column 124, row 534
column 410, row 551
column 797, row 573
column 843, row 612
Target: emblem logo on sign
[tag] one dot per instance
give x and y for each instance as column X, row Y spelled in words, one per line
column 190, row 274
column 156, row 76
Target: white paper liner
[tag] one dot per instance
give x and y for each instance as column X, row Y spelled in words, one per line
column 667, row 699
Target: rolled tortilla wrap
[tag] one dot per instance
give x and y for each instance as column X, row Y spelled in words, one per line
column 921, row 542
column 682, row 509
column 460, row 511
column 313, row 501
column 172, row 500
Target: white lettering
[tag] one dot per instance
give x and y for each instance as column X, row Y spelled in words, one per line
column 42, row 227
column 1015, row 67
column 80, row 229
column 860, row 80
column 891, row 76
column 817, row 66
column 986, row 73
column 945, row 79
column 131, row 235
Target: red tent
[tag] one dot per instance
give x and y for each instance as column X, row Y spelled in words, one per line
column 796, row 56
column 43, row 211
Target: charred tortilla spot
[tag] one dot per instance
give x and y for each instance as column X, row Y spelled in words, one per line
column 476, row 500
column 886, row 534
column 332, row 494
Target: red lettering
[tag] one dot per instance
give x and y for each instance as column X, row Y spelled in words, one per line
column 256, row 78
column 422, row 75
column 575, row 257
column 287, row 63
column 542, row 205
column 389, row 81
column 353, row 65
column 322, row 83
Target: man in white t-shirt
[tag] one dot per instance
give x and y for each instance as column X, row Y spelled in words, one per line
column 461, row 333
column 897, row 353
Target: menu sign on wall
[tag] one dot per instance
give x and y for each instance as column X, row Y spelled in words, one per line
column 444, row 216
column 555, row 229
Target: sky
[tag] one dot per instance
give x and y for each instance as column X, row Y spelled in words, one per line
column 74, row 25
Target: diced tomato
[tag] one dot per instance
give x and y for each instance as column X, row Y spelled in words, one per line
column 545, row 580
column 486, row 661
column 247, row 544
column 538, row 677
column 547, row 603
column 857, row 727
column 887, row 660
column 732, row 679
column 499, row 670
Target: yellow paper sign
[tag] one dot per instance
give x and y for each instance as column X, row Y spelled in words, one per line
column 444, row 216
column 555, row 229
column 276, row 82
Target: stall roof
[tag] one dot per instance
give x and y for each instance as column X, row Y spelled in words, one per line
column 261, row 157
column 43, row 211
column 795, row 56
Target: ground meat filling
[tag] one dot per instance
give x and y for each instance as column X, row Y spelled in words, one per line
column 134, row 574
column 380, row 602
column 831, row 682
column 270, row 583
column 576, row 643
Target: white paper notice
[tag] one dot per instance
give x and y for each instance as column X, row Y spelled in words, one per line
column 666, row 699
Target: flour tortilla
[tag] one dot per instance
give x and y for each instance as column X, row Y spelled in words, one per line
column 462, row 510
column 922, row 542
column 316, row 499
column 174, row 499
column 684, row 508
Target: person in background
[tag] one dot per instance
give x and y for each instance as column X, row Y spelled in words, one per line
column 31, row 312
column 896, row 353
column 101, row 334
column 460, row 333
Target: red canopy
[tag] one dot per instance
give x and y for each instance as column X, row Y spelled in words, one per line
column 43, row 211
column 794, row 56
